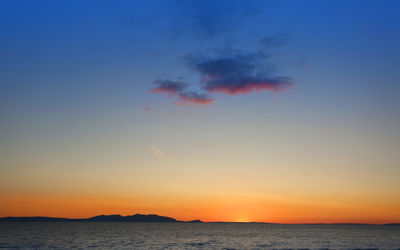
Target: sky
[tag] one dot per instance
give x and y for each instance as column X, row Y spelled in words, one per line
column 272, row 111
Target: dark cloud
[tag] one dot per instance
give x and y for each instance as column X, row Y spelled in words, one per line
column 178, row 88
column 229, row 72
column 237, row 74
column 168, row 87
column 185, row 98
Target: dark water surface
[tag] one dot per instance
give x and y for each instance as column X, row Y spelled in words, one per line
column 125, row 235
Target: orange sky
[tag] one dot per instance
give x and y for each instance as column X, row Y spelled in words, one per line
column 228, row 208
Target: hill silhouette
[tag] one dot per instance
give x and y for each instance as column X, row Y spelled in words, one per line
column 133, row 218
column 155, row 218
column 99, row 218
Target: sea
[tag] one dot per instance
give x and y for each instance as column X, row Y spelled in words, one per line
column 128, row 235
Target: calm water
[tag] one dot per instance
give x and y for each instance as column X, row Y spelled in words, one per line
column 187, row 236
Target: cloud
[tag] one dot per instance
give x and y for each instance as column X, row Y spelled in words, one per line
column 156, row 152
column 178, row 88
column 171, row 88
column 185, row 98
column 229, row 72
column 247, row 85
column 239, row 73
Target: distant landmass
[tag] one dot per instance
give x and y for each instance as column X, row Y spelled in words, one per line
column 149, row 218
column 100, row 218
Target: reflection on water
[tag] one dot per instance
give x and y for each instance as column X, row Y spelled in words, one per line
column 192, row 235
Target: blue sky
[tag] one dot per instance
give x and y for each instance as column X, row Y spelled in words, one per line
column 88, row 49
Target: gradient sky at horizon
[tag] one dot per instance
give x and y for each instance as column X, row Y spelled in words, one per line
column 81, row 133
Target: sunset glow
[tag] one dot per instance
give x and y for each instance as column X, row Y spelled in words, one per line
column 267, row 111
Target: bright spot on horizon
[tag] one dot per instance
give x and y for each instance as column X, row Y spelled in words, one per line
column 242, row 219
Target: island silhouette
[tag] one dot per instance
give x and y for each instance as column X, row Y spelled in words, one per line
column 152, row 218
column 99, row 218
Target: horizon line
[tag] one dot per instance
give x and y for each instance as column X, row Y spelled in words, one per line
column 194, row 220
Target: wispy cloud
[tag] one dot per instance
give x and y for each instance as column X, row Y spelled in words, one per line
column 185, row 98
column 156, row 152
column 168, row 87
column 178, row 88
column 147, row 109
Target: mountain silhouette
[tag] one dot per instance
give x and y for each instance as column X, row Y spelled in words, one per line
column 133, row 218
column 100, row 218
column 153, row 218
